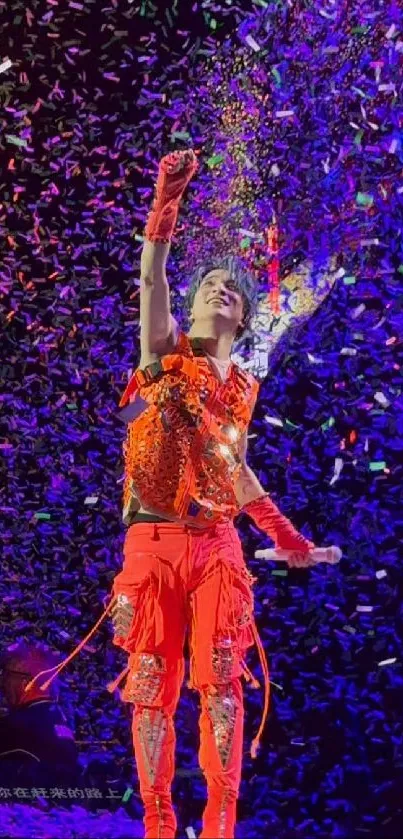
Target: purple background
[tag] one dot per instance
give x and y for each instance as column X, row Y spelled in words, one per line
column 95, row 95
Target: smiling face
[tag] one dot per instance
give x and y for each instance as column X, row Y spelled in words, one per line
column 218, row 302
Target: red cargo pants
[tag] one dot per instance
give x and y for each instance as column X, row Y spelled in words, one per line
column 177, row 578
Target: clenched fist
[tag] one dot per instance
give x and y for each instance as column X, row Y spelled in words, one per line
column 174, row 173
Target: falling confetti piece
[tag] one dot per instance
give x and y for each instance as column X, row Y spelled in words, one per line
column 215, row 160
column 364, row 199
column 92, row 126
column 252, row 43
column 16, row 141
column 381, row 398
column 274, row 421
column 338, row 466
column 5, row 65
column 127, row 795
column 314, row 360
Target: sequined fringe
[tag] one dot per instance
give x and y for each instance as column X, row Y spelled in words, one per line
column 222, row 711
column 151, row 734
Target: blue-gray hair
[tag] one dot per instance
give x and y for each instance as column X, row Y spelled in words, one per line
column 242, row 278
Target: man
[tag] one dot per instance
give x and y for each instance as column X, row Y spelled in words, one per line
column 186, row 476
column 37, row 748
column 188, row 408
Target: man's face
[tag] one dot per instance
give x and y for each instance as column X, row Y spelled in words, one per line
column 217, row 299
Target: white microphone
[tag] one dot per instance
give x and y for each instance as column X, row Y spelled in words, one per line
column 332, row 554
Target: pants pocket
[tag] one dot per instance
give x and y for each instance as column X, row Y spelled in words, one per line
column 221, row 610
column 137, row 616
column 146, row 681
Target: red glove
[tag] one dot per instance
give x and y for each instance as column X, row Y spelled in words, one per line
column 269, row 519
column 174, row 173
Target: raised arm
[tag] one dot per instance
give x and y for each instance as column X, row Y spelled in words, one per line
column 157, row 326
column 302, row 292
column 156, row 322
column 158, row 329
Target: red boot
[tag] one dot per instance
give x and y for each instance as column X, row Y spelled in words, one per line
column 154, row 747
column 219, row 817
column 220, row 756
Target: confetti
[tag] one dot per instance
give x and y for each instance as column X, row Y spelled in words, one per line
column 252, row 43
column 351, row 351
column 274, row 421
column 91, row 98
column 5, row 65
column 381, row 398
column 16, row 141
column 338, row 466
column 313, row 359
column 284, row 114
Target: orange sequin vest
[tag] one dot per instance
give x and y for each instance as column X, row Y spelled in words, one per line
column 182, row 452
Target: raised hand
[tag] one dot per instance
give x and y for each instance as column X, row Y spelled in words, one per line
column 174, row 173
column 176, row 161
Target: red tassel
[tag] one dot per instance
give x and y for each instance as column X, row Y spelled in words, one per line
column 273, row 269
column 59, row 667
column 249, row 676
column 111, row 686
column 265, row 669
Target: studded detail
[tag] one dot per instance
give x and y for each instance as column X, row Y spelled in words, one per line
column 171, row 445
column 223, row 660
column 245, row 617
column 144, row 679
column 223, row 814
column 222, row 711
column 152, row 728
column 122, row 615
